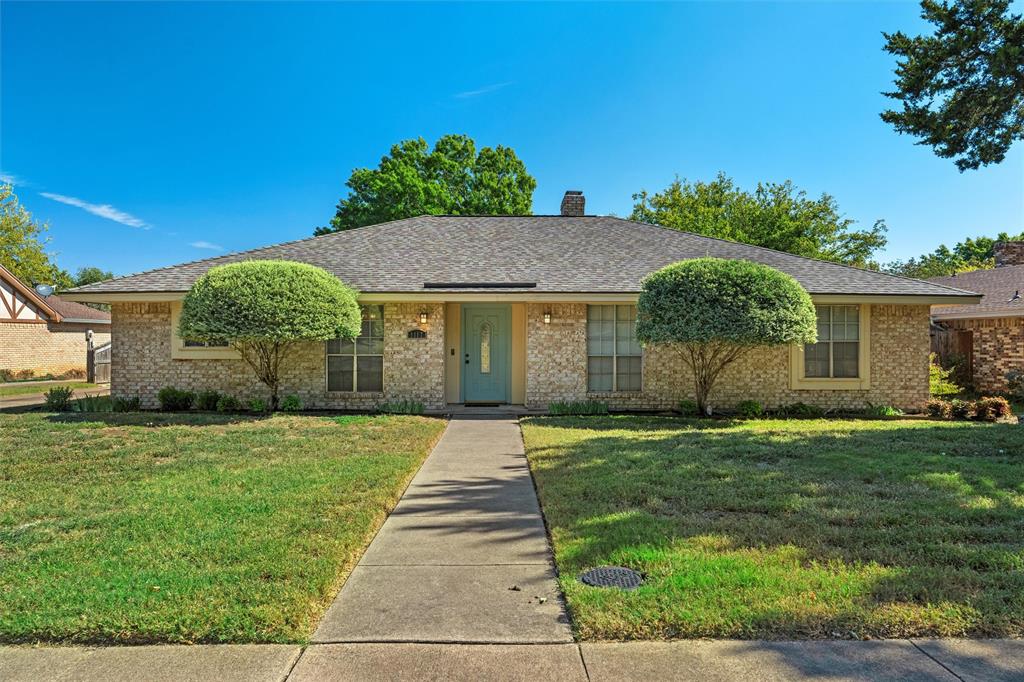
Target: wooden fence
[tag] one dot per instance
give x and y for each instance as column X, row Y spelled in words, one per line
column 98, row 364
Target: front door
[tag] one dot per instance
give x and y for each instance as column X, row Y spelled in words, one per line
column 485, row 353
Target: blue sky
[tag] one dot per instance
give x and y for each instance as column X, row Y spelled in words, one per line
column 148, row 134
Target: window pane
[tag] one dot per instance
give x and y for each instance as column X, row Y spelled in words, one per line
column 339, row 373
column 844, row 359
column 625, row 331
column 816, row 359
column 600, row 330
column 485, row 349
column 194, row 344
column 369, row 346
column 599, row 374
column 370, row 373
column 629, row 373
column 824, row 322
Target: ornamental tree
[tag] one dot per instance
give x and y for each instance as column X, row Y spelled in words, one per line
column 714, row 310
column 264, row 308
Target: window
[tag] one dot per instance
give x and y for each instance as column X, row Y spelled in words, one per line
column 614, row 358
column 837, row 352
column 359, row 365
column 188, row 343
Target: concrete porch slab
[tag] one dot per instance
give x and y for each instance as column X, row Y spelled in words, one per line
column 447, row 604
column 416, row 662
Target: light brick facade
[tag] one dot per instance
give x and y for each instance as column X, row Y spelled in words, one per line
column 997, row 346
column 556, row 364
column 47, row 348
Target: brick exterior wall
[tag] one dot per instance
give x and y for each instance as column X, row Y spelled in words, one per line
column 47, row 348
column 141, row 363
column 557, row 366
column 997, row 347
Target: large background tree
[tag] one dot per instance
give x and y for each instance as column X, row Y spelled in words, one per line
column 452, row 178
column 714, row 310
column 776, row 215
column 263, row 309
column 962, row 88
column 90, row 275
column 970, row 254
column 23, row 244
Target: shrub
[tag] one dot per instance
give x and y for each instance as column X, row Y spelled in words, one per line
column 229, row 403
column 688, row 408
column 291, row 403
column 801, row 410
column 750, row 409
column 992, row 409
column 175, row 399
column 58, row 398
column 94, row 403
column 133, row 404
column 962, row 409
column 1015, row 382
column 401, row 407
column 939, row 409
column 882, row 411
column 714, row 310
column 258, row 405
column 577, row 407
column 207, row 400
column 939, row 382
column 262, row 307
column 6, row 375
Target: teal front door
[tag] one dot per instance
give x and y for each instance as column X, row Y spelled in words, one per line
column 486, row 353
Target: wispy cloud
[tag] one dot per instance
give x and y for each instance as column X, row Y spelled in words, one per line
column 206, row 245
column 12, row 179
column 482, row 91
column 102, row 210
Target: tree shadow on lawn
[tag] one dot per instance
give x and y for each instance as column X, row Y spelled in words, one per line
column 156, row 419
column 922, row 522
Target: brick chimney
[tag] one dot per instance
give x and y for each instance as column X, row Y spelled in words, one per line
column 1007, row 253
column 573, row 203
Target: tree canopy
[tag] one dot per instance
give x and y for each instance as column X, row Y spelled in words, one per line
column 262, row 308
column 23, row 244
column 714, row 310
column 90, row 275
column 970, row 254
column 775, row 215
column 453, row 178
column 962, row 89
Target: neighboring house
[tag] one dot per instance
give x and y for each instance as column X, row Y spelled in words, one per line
column 989, row 336
column 45, row 335
column 530, row 310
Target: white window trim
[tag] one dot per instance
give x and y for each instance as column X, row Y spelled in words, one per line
column 615, row 357
column 179, row 351
column 800, row 382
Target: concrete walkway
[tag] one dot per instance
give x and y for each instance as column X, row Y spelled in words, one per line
column 464, row 556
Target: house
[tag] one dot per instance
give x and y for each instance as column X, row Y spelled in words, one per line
column 530, row 310
column 989, row 336
column 43, row 335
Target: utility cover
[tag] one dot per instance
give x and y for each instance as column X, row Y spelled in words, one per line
column 612, row 576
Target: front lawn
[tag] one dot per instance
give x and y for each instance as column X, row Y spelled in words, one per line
column 786, row 529
column 136, row 528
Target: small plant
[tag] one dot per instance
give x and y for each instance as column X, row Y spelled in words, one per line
column 992, row 409
column 229, row 403
column 291, row 403
column 94, row 403
column 258, row 405
column 133, row 404
column 401, row 407
column 802, row 411
column 939, row 382
column 207, row 400
column 58, row 398
column 751, row 409
column 6, row 375
column 882, row 411
column 688, row 408
column 175, row 399
column 1015, row 383
column 577, row 407
column 939, row 409
column 962, row 409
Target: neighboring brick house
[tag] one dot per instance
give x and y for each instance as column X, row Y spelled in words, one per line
column 45, row 335
column 989, row 336
column 529, row 310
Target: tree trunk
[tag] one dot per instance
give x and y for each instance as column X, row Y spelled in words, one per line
column 706, row 361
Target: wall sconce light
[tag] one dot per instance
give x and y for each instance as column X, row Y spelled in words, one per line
column 423, row 317
column 547, row 317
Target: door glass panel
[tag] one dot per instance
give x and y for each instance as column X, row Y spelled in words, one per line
column 485, row 349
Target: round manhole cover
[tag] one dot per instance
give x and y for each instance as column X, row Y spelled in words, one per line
column 612, row 576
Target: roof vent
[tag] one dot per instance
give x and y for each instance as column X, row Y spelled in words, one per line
column 1015, row 297
column 573, row 203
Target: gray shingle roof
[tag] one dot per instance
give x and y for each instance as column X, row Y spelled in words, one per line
column 560, row 254
column 997, row 287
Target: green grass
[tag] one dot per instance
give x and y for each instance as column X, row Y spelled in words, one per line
column 786, row 529
column 140, row 528
column 29, row 389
